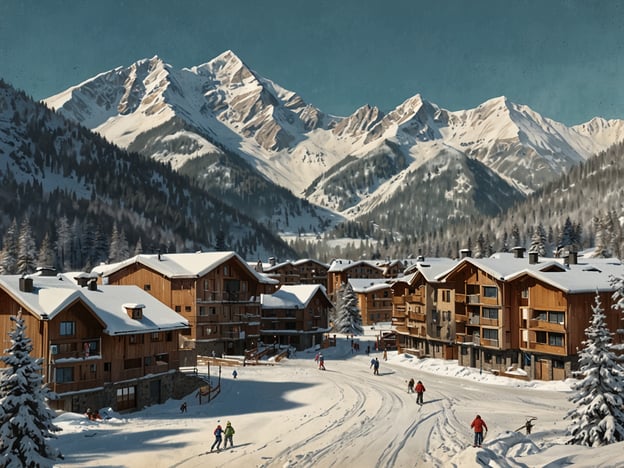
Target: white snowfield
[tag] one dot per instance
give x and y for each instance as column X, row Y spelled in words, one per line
column 294, row 415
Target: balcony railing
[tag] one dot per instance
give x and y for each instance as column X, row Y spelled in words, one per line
column 473, row 298
column 545, row 348
column 489, row 322
column 547, row 326
column 474, row 320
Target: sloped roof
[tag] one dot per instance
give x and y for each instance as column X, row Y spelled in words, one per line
column 344, row 264
column 364, row 285
column 292, row 296
column 53, row 294
column 182, row 265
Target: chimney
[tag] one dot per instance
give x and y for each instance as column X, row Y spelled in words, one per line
column 465, row 253
column 518, row 252
column 25, row 284
column 272, row 261
column 92, row 285
column 572, row 258
column 533, row 256
column 159, row 255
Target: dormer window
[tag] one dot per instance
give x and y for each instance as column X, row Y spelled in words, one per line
column 134, row 311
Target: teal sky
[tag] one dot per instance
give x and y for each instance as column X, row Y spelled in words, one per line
column 565, row 59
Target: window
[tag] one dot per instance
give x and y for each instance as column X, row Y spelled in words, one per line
column 490, row 291
column 490, row 313
column 178, row 308
column 207, row 331
column 155, row 336
column 555, row 339
column 187, row 308
column 169, row 336
column 107, row 367
column 93, row 368
column 147, row 360
column 226, row 270
column 206, row 285
column 64, row 374
column 525, row 293
column 132, row 339
column 556, row 317
column 126, row 398
column 162, row 359
column 213, row 311
column 490, row 334
column 540, row 337
column 446, row 295
column 68, row 328
column 202, row 310
column 147, row 287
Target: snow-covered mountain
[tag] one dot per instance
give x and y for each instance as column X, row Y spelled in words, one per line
column 225, row 124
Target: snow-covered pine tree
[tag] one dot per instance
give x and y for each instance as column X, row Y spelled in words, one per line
column 597, row 418
column 26, row 249
column 538, row 240
column 347, row 318
column 8, row 255
column 26, row 425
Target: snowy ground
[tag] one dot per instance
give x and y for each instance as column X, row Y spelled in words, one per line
column 294, row 415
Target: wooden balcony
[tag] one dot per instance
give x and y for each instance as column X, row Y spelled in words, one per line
column 398, row 300
column 542, row 325
column 548, row 349
column 460, row 298
column 207, row 297
column 473, row 298
column 489, row 322
column 489, row 343
column 75, row 386
column 417, row 317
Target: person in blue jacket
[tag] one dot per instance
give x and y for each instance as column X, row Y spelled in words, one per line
column 218, row 433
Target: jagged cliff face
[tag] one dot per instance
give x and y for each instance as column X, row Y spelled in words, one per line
column 346, row 164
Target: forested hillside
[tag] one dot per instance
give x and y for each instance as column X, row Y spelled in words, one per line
column 75, row 199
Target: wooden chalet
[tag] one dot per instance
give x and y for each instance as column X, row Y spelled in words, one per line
column 304, row 271
column 420, row 312
column 295, row 315
column 101, row 346
column 340, row 271
column 553, row 307
column 374, row 297
column 217, row 292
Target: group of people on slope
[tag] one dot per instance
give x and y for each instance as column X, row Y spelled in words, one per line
column 219, row 432
column 419, row 389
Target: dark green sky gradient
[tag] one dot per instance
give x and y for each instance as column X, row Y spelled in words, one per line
column 565, row 59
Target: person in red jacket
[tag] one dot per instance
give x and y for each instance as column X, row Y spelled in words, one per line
column 420, row 390
column 478, row 425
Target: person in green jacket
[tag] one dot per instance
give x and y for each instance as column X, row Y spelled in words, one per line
column 229, row 432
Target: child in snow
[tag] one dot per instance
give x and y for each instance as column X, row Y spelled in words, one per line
column 234, row 373
column 420, row 390
column 410, row 386
column 218, row 433
column 183, row 407
column 478, row 425
column 229, row 433
column 321, row 362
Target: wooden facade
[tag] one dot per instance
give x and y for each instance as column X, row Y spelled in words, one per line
column 304, row 271
column 341, row 270
column 506, row 312
column 89, row 359
column 295, row 315
column 217, row 292
column 374, row 298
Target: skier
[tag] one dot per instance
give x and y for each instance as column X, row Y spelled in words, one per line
column 528, row 426
column 376, row 367
column 478, row 425
column 183, row 407
column 234, row 373
column 321, row 362
column 229, row 433
column 218, row 433
column 410, row 386
column 420, row 390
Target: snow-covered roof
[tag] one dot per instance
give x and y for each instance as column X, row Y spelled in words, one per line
column 53, row 294
column 182, row 265
column 364, row 285
column 587, row 275
column 291, row 296
column 593, row 275
column 345, row 264
column 430, row 268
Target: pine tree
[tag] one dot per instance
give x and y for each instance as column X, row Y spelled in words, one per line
column 347, row 317
column 8, row 256
column 538, row 240
column 597, row 418
column 25, row 419
column 26, row 249
column 46, row 255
